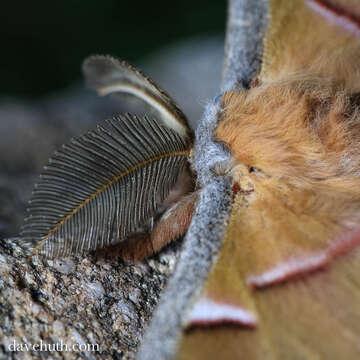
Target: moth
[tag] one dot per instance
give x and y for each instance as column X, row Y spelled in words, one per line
column 270, row 264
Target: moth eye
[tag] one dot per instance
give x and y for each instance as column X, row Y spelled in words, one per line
column 255, row 170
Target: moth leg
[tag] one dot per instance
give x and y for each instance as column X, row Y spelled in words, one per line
column 135, row 248
column 184, row 185
column 172, row 224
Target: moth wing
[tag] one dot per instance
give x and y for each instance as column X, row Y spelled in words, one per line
column 103, row 186
column 317, row 35
column 274, row 293
column 108, row 75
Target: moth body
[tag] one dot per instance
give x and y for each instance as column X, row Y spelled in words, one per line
column 291, row 249
column 271, row 198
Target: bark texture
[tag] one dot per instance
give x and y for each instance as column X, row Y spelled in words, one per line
column 74, row 300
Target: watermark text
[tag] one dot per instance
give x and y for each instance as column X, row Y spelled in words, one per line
column 52, row 347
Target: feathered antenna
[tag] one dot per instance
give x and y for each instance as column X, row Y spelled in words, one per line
column 103, row 186
column 106, row 185
column 108, row 75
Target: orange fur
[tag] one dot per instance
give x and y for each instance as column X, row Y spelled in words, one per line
column 303, row 130
column 300, row 39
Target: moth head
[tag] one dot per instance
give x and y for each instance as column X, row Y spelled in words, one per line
column 303, row 130
column 295, row 173
column 296, row 203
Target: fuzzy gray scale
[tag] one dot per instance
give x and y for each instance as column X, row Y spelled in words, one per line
column 246, row 25
column 202, row 244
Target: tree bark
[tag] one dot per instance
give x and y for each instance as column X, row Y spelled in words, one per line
column 104, row 303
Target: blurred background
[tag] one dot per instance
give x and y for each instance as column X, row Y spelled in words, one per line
column 44, row 42
column 43, row 101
